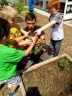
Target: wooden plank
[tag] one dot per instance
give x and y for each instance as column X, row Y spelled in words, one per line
column 47, row 62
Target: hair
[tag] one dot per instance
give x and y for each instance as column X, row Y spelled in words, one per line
column 4, row 28
column 8, row 11
column 30, row 17
column 53, row 4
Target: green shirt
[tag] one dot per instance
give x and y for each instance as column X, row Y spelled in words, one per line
column 9, row 57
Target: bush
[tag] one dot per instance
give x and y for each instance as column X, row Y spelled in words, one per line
column 3, row 2
column 19, row 6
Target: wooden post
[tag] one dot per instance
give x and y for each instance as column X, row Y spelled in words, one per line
column 22, row 89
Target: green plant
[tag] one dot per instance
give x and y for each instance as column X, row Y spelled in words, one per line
column 37, row 49
column 8, row 43
column 19, row 6
column 2, row 2
column 64, row 64
column 25, row 10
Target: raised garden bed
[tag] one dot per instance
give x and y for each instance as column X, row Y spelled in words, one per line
column 48, row 78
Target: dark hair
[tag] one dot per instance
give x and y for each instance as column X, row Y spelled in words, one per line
column 4, row 28
column 30, row 17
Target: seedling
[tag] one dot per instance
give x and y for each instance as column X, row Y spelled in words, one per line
column 64, row 64
column 37, row 49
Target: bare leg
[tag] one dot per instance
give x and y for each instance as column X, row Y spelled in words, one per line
column 12, row 90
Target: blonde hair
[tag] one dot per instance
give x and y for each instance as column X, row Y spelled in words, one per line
column 7, row 12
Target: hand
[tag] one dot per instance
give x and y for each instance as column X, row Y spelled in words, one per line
column 38, row 31
column 28, row 41
column 25, row 42
column 18, row 39
column 39, row 41
column 34, row 39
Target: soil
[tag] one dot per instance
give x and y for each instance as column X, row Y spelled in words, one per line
column 49, row 80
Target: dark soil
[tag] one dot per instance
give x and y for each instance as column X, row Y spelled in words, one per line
column 49, row 80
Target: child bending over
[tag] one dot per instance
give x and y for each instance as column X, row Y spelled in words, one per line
column 9, row 59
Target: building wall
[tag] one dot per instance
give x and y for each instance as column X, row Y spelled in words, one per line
column 42, row 4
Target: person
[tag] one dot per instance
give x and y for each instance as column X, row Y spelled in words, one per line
column 38, row 50
column 11, row 14
column 9, row 59
column 56, row 25
column 31, row 5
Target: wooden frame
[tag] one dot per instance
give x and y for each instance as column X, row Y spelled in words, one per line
column 47, row 62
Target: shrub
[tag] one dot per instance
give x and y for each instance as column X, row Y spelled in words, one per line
column 19, row 6
column 3, row 2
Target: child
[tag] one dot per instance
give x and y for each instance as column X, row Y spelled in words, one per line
column 56, row 24
column 9, row 59
column 37, row 51
column 30, row 20
column 10, row 14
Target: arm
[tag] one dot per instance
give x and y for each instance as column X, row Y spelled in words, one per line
column 27, row 52
column 25, row 42
column 45, row 27
column 24, row 32
column 20, row 42
column 19, row 38
column 41, row 40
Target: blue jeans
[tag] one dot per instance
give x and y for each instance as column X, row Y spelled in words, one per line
column 12, row 94
column 55, row 46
